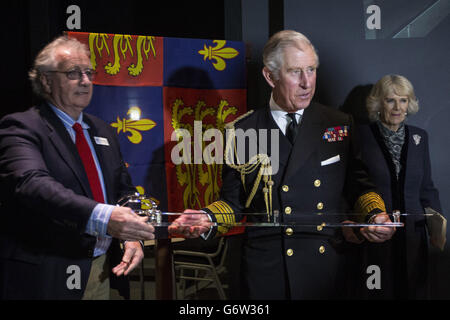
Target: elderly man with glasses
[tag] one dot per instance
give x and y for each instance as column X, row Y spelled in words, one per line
column 60, row 171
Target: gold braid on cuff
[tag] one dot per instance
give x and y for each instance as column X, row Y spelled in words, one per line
column 369, row 202
column 224, row 215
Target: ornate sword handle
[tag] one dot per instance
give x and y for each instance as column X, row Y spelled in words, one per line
column 143, row 206
column 396, row 214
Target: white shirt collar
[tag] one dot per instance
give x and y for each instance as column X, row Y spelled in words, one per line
column 280, row 116
column 67, row 120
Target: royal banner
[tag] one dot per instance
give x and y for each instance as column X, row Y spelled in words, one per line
column 196, row 182
column 149, row 87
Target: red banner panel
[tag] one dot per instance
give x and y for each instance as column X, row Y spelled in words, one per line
column 125, row 60
column 195, row 183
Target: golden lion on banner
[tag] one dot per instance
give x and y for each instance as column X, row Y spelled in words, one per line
column 122, row 45
column 188, row 175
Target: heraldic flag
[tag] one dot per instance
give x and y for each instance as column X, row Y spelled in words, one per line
column 149, row 88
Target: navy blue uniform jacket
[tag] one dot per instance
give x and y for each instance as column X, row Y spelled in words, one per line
column 299, row 262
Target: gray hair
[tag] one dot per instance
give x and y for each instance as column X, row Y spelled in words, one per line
column 390, row 84
column 273, row 57
column 46, row 60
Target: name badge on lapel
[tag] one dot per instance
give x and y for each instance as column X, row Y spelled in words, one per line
column 101, row 141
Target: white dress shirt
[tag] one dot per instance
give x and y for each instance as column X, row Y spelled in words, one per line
column 280, row 116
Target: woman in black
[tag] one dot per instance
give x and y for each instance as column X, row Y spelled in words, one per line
column 397, row 156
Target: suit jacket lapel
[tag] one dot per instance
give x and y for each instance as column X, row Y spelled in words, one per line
column 64, row 145
column 413, row 155
column 284, row 146
column 308, row 139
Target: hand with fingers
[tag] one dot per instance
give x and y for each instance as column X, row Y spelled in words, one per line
column 352, row 235
column 133, row 255
column 379, row 234
column 126, row 225
column 191, row 224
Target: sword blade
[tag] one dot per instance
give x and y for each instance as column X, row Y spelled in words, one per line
column 290, row 224
column 303, row 215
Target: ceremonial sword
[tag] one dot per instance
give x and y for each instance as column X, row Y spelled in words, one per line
column 144, row 206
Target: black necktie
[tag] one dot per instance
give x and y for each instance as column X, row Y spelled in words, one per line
column 291, row 131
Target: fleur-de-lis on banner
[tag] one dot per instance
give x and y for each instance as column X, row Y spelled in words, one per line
column 219, row 53
column 135, row 125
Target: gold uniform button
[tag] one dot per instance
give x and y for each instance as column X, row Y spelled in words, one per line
column 290, row 253
column 320, row 206
column 289, row 231
column 286, row 188
column 322, row 250
column 320, row 228
column 288, row 210
column 317, row 183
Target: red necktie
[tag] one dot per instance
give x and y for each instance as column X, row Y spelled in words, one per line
column 88, row 162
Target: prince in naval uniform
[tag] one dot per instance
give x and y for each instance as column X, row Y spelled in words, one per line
column 318, row 167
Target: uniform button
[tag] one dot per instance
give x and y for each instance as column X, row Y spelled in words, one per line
column 288, row 210
column 285, row 188
column 290, row 253
column 320, row 228
column 320, row 206
column 322, row 250
column 317, row 183
column 289, row 231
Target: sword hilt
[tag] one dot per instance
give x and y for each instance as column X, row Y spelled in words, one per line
column 143, row 206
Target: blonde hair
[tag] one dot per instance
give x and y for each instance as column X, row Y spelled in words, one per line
column 46, row 60
column 390, row 84
column 273, row 57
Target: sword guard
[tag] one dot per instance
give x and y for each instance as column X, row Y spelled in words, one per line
column 143, row 206
column 396, row 215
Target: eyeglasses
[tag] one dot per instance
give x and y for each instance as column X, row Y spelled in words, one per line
column 77, row 74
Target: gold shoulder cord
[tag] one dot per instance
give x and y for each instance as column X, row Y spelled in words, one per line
column 260, row 160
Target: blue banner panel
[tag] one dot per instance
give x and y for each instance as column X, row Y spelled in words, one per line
column 137, row 115
column 204, row 64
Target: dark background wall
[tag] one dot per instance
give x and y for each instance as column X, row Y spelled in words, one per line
column 353, row 57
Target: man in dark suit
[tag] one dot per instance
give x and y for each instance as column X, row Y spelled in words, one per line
column 314, row 165
column 61, row 174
